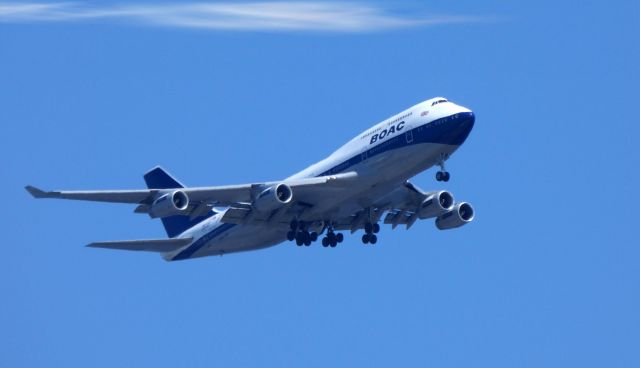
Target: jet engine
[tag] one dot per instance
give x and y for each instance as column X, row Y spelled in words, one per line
column 461, row 214
column 169, row 204
column 273, row 198
column 435, row 205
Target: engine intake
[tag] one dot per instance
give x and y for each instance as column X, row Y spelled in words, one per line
column 436, row 204
column 461, row 214
column 273, row 198
column 169, row 204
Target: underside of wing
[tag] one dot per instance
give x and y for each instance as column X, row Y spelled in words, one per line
column 149, row 245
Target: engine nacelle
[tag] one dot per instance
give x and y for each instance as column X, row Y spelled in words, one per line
column 273, row 198
column 461, row 214
column 436, row 204
column 169, row 204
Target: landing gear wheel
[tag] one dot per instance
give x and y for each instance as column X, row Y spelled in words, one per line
column 325, row 242
column 313, row 236
column 339, row 237
column 365, row 238
column 333, row 243
column 307, row 242
column 376, row 228
column 373, row 239
column 306, row 238
column 291, row 235
column 299, row 241
column 368, row 228
column 443, row 176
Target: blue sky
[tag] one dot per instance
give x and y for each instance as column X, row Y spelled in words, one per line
column 547, row 275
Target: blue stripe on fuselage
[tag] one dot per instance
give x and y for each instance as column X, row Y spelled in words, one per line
column 452, row 130
column 202, row 241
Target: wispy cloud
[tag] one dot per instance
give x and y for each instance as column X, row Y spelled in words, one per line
column 256, row 16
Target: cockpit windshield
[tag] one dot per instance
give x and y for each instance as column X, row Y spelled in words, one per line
column 438, row 101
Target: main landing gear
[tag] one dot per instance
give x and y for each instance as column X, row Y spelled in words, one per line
column 300, row 233
column 442, row 175
column 370, row 231
column 332, row 239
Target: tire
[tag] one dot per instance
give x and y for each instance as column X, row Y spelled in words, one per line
column 339, row 237
column 365, row 238
column 439, row 176
column 333, row 243
column 307, row 242
column 325, row 242
column 373, row 239
column 299, row 242
column 313, row 236
column 376, row 228
column 446, row 176
column 291, row 236
column 368, row 228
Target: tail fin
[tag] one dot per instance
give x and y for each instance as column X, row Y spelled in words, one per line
column 158, row 178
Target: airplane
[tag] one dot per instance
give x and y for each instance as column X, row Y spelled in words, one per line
column 350, row 190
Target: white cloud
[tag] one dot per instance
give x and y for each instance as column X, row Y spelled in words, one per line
column 256, row 16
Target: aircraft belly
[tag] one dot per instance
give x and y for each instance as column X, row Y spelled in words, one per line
column 242, row 238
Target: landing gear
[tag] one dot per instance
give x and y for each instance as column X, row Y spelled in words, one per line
column 291, row 235
column 369, row 238
column 442, row 175
column 370, row 231
column 303, row 238
column 300, row 233
column 371, row 228
column 332, row 239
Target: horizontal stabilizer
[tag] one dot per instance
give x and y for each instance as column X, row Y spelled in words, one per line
column 150, row 245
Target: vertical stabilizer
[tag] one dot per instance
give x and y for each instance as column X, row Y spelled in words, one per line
column 158, row 178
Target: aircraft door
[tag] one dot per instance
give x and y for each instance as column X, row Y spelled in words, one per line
column 409, row 136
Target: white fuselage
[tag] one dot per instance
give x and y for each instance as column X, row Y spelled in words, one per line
column 384, row 157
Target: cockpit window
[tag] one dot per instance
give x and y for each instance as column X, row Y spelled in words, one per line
column 437, row 102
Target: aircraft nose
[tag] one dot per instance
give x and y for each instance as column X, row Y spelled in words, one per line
column 460, row 127
column 466, row 120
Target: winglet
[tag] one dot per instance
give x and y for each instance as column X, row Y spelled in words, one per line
column 37, row 193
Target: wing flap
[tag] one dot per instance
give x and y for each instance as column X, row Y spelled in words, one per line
column 149, row 245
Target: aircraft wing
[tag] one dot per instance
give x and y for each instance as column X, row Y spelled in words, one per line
column 303, row 189
column 403, row 205
column 150, row 245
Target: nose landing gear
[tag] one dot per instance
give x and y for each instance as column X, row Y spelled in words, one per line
column 442, row 175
